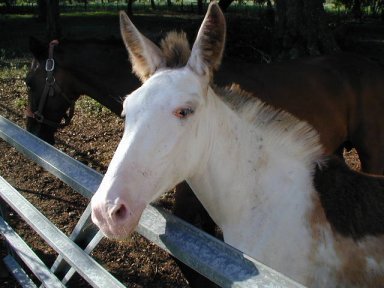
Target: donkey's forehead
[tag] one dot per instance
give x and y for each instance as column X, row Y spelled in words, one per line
column 166, row 87
column 169, row 83
column 183, row 80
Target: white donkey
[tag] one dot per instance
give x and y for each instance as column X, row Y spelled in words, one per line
column 254, row 169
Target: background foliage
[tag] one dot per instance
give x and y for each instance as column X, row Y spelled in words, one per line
column 366, row 7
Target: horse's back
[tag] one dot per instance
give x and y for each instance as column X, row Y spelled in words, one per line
column 326, row 91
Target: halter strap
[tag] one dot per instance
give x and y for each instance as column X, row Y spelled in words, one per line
column 49, row 90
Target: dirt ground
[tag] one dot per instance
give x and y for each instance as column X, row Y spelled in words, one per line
column 91, row 138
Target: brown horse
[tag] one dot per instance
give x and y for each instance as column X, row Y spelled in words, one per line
column 342, row 96
column 339, row 95
column 89, row 67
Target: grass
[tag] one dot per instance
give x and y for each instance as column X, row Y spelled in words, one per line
column 13, row 72
column 12, row 85
column 89, row 106
column 21, row 103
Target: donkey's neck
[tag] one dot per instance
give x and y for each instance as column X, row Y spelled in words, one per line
column 255, row 185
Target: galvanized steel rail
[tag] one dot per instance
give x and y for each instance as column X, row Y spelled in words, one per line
column 85, row 265
column 214, row 259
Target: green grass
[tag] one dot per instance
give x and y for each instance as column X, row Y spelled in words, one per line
column 12, row 67
column 21, row 103
column 89, row 106
column 12, row 72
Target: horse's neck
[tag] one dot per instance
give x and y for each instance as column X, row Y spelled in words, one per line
column 253, row 184
column 109, row 81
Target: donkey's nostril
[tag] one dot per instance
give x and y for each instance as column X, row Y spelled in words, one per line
column 118, row 212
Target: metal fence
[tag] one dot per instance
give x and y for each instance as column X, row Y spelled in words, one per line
column 212, row 258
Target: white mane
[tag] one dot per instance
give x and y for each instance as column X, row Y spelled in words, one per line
column 278, row 126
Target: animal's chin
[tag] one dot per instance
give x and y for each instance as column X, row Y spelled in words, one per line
column 121, row 231
column 118, row 233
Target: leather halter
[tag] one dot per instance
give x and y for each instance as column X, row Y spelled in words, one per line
column 49, row 90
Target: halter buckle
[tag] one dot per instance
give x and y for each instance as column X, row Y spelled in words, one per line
column 49, row 65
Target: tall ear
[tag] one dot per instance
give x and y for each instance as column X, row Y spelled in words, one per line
column 207, row 51
column 38, row 49
column 145, row 56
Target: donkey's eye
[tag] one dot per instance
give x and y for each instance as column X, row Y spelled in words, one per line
column 183, row 113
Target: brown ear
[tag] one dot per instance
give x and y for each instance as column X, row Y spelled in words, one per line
column 207, row 51
column 145, row 56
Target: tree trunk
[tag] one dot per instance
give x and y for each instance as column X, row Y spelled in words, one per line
column 153, row 6
column 356, row 10
column 53, row 17
column 200, row 7
column 42, row 10
column 8, row 4
column 130, row 7
column 300, row 29
column 224, row 4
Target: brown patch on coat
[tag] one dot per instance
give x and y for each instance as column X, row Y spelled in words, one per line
column 352, row 201
column 354, row 246
column 354, row 260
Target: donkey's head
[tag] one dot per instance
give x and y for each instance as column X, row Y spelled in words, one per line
column 166, row 137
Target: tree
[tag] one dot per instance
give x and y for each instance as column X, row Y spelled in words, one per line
column 200, row 7
column 129, row 7
column 48, row 11
column 153, row 5
column 301, row 29
column 8, row 3
column 42, row 10
column 53, row 17
column 224, row 4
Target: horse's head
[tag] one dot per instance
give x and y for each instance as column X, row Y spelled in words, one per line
column 50, row 95
column 166, row 134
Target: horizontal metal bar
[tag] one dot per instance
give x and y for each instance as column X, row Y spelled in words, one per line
column 218, row 261
column 29, row 257
column 74, row 173
column 221, row 263
column 86, row 266
column 15, row 269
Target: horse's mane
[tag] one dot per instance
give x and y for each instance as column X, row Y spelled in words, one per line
column 281, row 127
column 176, row 49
